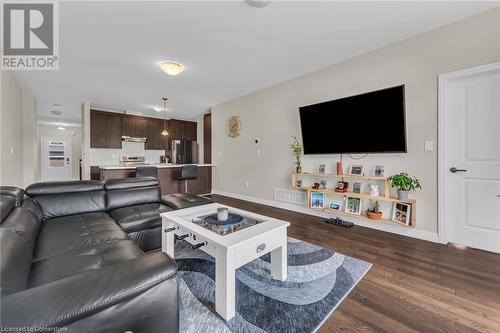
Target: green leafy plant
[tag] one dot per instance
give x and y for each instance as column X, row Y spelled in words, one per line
column 404, row 182
column 296, row 149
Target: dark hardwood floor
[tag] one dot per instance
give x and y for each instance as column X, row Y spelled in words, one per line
column 413, row 285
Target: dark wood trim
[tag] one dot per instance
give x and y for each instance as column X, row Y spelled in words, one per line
column 413, row 285
column 207, row 138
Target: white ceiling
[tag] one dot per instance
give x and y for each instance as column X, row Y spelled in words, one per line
column 109, row 51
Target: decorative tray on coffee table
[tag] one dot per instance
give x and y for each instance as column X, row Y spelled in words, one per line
column 234, row 223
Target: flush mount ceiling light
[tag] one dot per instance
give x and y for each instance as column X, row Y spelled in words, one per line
column 61, row 128
column 56, row 112
column 258, row 3
column 157, row 108
column 171, row 67
column 164, row 132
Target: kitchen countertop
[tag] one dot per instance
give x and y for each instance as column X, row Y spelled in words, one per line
column 158, row 165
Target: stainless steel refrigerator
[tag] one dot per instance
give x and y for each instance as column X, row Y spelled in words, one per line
column 184, row 152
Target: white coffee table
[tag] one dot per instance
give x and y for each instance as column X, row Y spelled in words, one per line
column 231, row 250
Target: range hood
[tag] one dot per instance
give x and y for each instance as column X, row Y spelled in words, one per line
column 134, row 139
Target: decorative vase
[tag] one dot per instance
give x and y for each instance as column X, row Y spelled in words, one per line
column 373, row 215
column 298, row 169
column 403, row 195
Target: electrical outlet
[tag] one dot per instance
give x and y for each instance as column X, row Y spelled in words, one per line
column 247, row 184
column 429, row 146
column 12, row 150
column 258, row 151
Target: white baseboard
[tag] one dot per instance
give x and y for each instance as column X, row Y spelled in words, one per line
column 404, row 231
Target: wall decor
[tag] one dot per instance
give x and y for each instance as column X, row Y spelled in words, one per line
column 342, row 187
column 322, row 184
column 299, row 182
column 233, row 126
column 374, row 190
column 317, row 200
column 334, row 206
column 322, row 168
column 353, row 205
column 356, row 187
column 401, row 213
column 379, row 171
column 356, row 170
column 315, row 186
column 296, row 149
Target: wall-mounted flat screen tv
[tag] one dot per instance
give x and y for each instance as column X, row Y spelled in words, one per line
column 372, row 122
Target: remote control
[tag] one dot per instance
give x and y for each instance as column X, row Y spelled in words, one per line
column 338, row 221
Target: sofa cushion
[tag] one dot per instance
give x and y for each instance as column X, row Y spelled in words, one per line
column 184, row 200
column 33, row 207
column 123, row 183
column 132, row 197
column 15, row 262
column 25, row 223
column 81, row 231
column 68, row 198
column 14, row 192
column 139, row 217
column 7, row 204
column 47, row 188
column 80, row 260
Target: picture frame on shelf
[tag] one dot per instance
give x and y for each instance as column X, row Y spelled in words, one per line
column 356, row 187
column 334, row 206
column 356, row 170
column 353, row 205
column 322, row 168
column 401, row 213
column 379, row 171
column 317, row 200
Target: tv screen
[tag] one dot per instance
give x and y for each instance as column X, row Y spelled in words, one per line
column 373, row 122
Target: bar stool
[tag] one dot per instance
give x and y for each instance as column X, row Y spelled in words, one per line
column 146, row 171
column 188, row 172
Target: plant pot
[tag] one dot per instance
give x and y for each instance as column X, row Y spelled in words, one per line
column 298, row 169
column 373, row 215
column 403, row 195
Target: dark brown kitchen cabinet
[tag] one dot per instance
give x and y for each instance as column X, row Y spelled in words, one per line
column 105, row 130
column 190, row 131
column 155, row 141
column 134, row 126
column 182, row 130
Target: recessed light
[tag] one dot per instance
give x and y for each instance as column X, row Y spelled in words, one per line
column 61, row 128
column 172, row 67
column 157, row 108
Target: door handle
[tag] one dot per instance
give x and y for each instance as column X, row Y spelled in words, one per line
column 453, row 169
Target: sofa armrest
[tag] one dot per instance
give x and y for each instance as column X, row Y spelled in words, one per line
column 59, row 303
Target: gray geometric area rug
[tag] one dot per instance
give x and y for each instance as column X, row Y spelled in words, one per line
column 318, row 280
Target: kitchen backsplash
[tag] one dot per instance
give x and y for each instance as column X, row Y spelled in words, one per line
column 100, row 156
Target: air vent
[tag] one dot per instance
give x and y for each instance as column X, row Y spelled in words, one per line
column 291, row 196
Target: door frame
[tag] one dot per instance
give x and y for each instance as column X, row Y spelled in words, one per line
column 443, row 80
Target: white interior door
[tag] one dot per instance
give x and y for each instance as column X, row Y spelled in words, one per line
column 56, row 159
column 469, row 165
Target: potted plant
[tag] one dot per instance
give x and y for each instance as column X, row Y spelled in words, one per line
column 375, row 213
column 404, row 183
column 296, row 149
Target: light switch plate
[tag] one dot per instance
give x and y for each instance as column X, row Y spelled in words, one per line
column 429, row 146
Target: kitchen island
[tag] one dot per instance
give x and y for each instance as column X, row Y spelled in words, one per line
column 167, row 175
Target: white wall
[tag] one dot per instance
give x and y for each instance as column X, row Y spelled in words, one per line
column 11, row 136
column 272, row 114
column 30, row 151
column 71, row 132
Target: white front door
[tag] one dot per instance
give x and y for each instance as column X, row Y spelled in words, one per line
column 469, row 166
column 56, row 159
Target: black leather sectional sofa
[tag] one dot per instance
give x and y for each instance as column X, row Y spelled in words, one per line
column 74, row 255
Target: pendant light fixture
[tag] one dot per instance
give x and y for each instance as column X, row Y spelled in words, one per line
column 164, row 132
